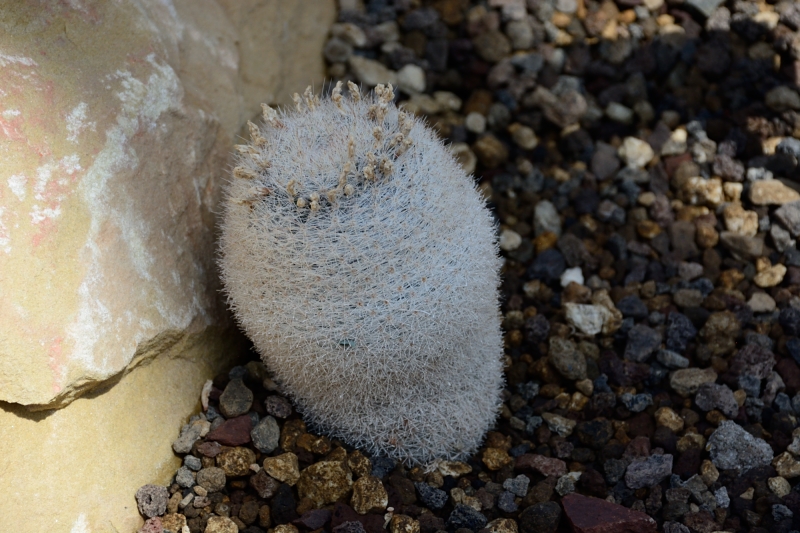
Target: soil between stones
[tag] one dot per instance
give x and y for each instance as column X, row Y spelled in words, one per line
column 641, row 157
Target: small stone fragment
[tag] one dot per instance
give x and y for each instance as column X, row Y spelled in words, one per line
column 212, row 479
column 649, row 471
column 369, row 495
column 593, row 515
column 222, row 524
column 786, row 465
column 323, row 482
column 236, row 399
column 541, row 517
column 189, row 435
column 733, row 448
column 236, row 461
column 772, row 192
column 433, row 498
column 688, row 380
column 266, row 435
column 284, row 468
column 566, row 358
column 464, row 516
column 151, row 500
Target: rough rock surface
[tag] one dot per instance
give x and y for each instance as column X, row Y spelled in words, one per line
column 116, row 121
column 106, row 233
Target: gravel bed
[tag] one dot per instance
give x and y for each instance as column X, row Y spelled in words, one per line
column 641, row 157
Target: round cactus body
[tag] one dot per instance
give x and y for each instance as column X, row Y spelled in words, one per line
column 362, row 262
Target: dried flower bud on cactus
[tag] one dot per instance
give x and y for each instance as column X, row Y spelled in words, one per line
column 362, row 262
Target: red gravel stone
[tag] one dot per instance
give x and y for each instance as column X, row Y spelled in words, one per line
column 233, row 432
column 593, row 515
column 547, row 466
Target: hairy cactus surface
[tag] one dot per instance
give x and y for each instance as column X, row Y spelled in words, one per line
column 362, row 262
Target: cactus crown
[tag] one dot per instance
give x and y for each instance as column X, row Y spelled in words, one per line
column 362, row 262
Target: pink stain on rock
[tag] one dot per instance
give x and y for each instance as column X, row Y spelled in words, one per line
column 56, row 362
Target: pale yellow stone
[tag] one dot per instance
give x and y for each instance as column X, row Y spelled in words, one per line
column 284, row 467
column 708, row 472
column 453, row 468
column 691, row 441
column 769, row 277
column 369, row 495
column 502, row 525
column 95, row 442
column 779, row 486
column 786, row 465
column 403, row 524
column 668, row 418
column 739, row 220
column 772, row 192
column 700, row 191
column 458, row 496
column 733, row 191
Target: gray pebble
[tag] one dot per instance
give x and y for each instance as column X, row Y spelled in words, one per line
column 671, row 359
column 189, row 434
column 212, row 479
column 192, row 463
column 152, row 500
column 505, row 502
column 517, row 485
column 642, row 341
column 528, row 390
column 184, row 477
column 780, row 512
column 236, row 399
column 648, row 472
column 714, row 396
column 723, row 500
column 432, row 497
column 533, row 424
column 266, row 435
column 733, row 448
column 750, row 384
column 636, row 403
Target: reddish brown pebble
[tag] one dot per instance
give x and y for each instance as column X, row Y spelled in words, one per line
column 547, row 466
column 233, row 432
column 593, row 515
column 209, row 449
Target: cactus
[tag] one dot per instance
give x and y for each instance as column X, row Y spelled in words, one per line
column 362, row 262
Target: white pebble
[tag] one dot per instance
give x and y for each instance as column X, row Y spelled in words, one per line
column 475, row 122
column 411, row 79
column 509, row 240
column 571, row 274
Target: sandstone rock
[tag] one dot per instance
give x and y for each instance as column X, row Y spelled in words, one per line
column 91, row 473
column 95, row 220
column 106, row 241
